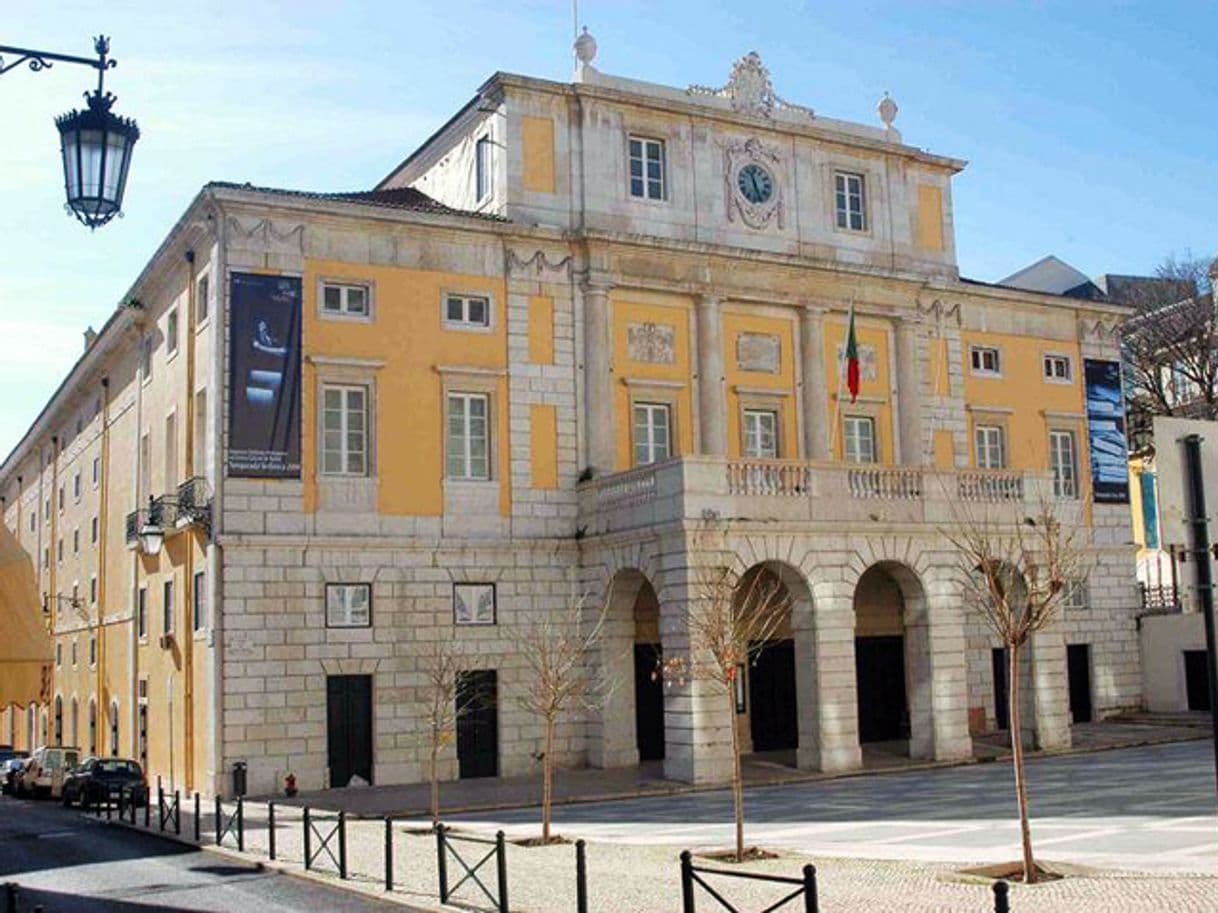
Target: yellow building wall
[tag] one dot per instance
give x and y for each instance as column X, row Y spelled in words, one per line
column 930, row 217
column 537, row 134
column 408, row 335
column 741, row 383
column 675, row 379
column 543, row 445
column 541, row 329
column 874, row 397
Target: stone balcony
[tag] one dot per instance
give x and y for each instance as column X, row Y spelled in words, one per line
column 692, row 488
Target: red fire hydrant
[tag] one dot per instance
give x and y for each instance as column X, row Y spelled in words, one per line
column 289, row 785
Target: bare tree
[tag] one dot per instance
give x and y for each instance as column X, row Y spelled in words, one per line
column 733, row 619
column 1016, row 574
column 558, row 648
column 444, row 702
column 1167, row 344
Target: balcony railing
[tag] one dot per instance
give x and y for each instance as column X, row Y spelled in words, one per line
column 190, row 505
column 152, row 515
column 1160, row 598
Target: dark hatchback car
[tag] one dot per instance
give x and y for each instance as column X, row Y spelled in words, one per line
column 10, row 762
column 97, row 780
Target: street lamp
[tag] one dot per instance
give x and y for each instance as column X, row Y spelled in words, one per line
column 95, row 143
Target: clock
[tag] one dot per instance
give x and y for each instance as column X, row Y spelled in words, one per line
column 755, row 183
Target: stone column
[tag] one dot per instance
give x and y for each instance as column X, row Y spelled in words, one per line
column 815, row 404
column 712, row 400
column 598, row 378
column 947, row 666
column 909, row 393
column 826, row 688
column 1050, row 697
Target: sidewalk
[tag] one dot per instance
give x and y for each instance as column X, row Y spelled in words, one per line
column 596, row 785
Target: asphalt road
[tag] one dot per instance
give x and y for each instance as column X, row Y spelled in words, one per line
column 66, row 863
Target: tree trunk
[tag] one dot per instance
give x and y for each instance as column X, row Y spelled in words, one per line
column 547, row 777
column 737, row 773
column 1021, row 787
column 435, row 785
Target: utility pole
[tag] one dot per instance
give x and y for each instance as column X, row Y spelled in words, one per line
column 1205, row 577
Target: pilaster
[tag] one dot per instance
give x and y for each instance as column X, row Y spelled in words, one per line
column 815, row 396
column 712, row 401
column 598, row 376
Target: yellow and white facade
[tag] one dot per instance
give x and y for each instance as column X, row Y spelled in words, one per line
column 613, row 323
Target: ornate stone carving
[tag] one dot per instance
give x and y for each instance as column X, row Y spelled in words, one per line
column 651, row 342
column 1098, row 329
column 750, row 90
column 265, row 235
column 867, row 360
column 754, row 215
column 538, row 266
column 759, row 352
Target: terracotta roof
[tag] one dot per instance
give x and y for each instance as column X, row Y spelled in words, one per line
column 391, row 198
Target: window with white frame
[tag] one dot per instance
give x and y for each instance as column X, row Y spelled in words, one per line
column 344, row 420
column 341, row 299
column 990, row 447
column 171, row 332
column 33, row 520
column 467, row 311
column 76, row 488
column 93, row 531
column 652, row 433
column 482, row 168
column 1076, row 594
column 202, row 299
column 985, row 360
column 167, row 607
column 76, row 541
column 348, row 605
column 93, row 590
column 851, row 200
column 647, row 177
column 96, row 471
column 858, row 438
column 474, row 604
column 92, row 651
column 761, row 434
column 146, row 359
column 1063, row 463
column 1057, row 368
column 467, row 449
column 141, row 613
column 198, row 599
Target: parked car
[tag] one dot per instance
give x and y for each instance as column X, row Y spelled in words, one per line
column 99, row 779
column 43, row 775
column 19, row 777
column 9, row 768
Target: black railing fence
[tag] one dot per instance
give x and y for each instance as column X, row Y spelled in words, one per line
column 691, row 880
column 169, row 810
column 325, row 835
column 231, row 824
column 445, row 848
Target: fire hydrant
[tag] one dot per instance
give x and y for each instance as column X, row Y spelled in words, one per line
column 289, row 785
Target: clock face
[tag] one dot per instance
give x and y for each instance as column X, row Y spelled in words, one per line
column 755, row 183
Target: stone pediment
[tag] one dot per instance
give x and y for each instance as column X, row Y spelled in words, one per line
column 749, row 90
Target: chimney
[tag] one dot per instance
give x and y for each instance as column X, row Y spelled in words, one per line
column 90, row 338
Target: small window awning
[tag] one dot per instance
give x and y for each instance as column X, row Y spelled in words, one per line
column 26, row 651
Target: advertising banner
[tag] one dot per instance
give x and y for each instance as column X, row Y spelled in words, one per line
column 1106, row 432
column 264, row 378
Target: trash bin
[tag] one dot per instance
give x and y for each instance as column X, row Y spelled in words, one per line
column 238, row 778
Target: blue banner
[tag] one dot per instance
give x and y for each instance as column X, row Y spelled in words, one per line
column 1106, row 432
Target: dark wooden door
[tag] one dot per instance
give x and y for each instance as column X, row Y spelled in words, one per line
column 478, row 724
column 349, row 728
column 880, row 666
column 648, row 702
column 772, row 709
column 1078, row 674
column 1197, row 680
column 998, row 661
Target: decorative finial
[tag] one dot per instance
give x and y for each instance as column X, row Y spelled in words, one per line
column 585, row 48
column 888, row 110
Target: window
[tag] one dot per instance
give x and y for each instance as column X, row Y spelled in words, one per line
column 652, row 442
column 46, row 557
column 344, row 431
column 171, row 332
column 198, row 609
column 343, row 300
column 46, row 509
column 167, row 606
column 991, row 454
column 33, row 520
column 76, row 541
column 114, row 729
column 73, row 654
column 92, row 728
column 760, row 434
column 76, row 486
column 75, row 603
column 348, row 605
column 146, row 359
column 62, row 499
column 1076, row 595
column 647, row 168
column 467, row 451
column 1057, row 368
column 92, row 651
column 58, row 654
column 482, row 168
column 96, row 471
column 474, row 604
column 58, row 720
column 202, row 299
column 141, row 613
column 465, row 311
column 858, row 437
column 1063, row 464
column 850, row 193
column 985, row 360
column 93, row 590
column 93, row 530
column 59, row 550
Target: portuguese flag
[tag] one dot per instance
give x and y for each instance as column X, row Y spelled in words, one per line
column 852, row 359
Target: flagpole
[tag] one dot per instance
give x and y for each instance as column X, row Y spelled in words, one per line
column 837, row 399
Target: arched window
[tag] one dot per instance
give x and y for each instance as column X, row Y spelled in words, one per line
column 43, row 720
column 58, row 730
column 75, row 718
column 92, row 726
column 31, row 727
column 114, row 729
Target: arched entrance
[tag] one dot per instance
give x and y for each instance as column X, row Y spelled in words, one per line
column 765, row 696
column 648, row 684
column 891, row 660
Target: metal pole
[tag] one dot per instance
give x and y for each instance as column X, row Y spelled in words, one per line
column 147, row 808
column 687, row 882
column 388, row 853
column 581, row 878
column 501, row 853
column 1001, row 904
column 308, row 844
column 177, row 808
column 441, row 863
column 197, row 840
column 810, row 903
column 1205, row 576
column 342, row 845
column 241, row 824
column 270, row 829
column 160, row 805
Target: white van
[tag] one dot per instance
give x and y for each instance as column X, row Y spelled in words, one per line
column 48, row 766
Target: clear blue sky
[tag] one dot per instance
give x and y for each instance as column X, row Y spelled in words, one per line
column 1091, row 128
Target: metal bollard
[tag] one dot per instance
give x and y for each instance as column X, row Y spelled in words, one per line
column 442, row 863
column 687, row 882
column 197, row 832
column 270, row 829
column 219, row 822
column 810, row 902
column 342, row 845
column 240, row 824
column 1001, row 904
column 581, row 878
column 501, row 853
column 177, row 818
column 160, row 805
column 308, row 843
column 388, row 853
column 147, row 809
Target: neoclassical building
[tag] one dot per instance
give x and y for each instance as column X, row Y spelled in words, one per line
column 587, row 337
